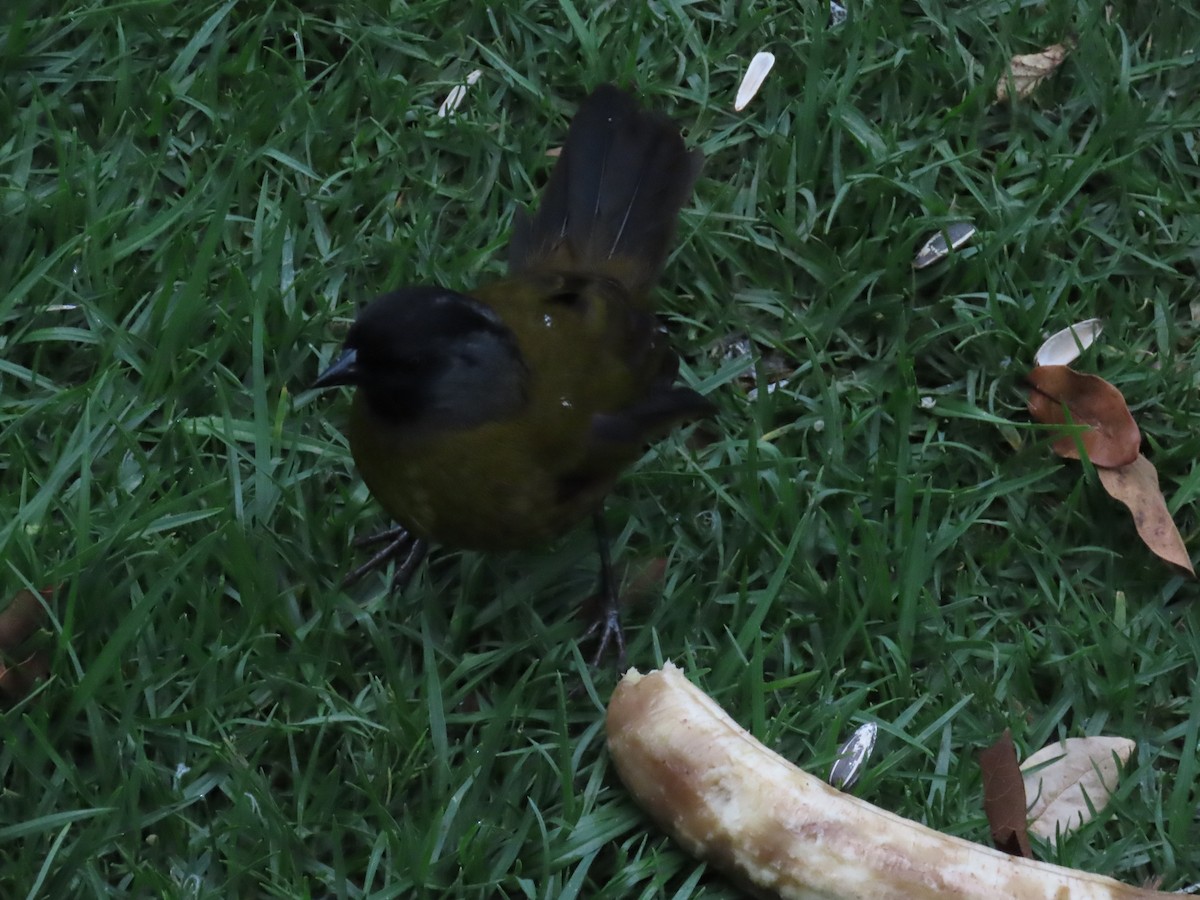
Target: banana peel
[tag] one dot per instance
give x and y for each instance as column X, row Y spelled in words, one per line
column 781, row 832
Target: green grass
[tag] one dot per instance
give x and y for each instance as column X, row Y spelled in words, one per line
column 196, row 196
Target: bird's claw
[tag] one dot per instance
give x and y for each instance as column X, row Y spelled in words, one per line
column 399, row 544
column 607, row 629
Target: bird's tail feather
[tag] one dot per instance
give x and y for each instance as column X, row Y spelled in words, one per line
column 613, row 200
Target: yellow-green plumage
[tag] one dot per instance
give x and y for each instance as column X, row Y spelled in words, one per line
column 498, row 418
column 519, row 482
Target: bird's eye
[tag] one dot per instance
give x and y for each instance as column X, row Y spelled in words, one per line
column 566, row 297
column 571, row 290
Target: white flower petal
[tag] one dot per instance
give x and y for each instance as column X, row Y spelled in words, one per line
column 937, row 247
column 756, row 74
column 1063, row 348
column 457, row 94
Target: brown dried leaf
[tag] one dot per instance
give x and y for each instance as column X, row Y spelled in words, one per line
column 1004, row 797
column 644, row 580
column 1113, row 438
column 1136, row 485
column 1029, row 70
column 20, row 619
column 1064, row 778
column 17, row 680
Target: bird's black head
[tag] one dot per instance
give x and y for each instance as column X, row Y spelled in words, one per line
column 425, row 356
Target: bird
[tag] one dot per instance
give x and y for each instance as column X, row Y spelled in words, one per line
column 497, row 418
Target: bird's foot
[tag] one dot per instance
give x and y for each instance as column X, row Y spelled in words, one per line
column 608, row 624
column 399, row 544
column 607, row 630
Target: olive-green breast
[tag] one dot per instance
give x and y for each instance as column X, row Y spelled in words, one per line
column 523, row 481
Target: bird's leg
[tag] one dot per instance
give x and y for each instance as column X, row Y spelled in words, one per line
column 399, row 544
column 608, row 624
column 388, row 534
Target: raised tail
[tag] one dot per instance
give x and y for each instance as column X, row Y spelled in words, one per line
column 613, row 199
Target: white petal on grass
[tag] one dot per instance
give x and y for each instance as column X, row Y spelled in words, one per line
column 1063, row 347
column 457, row 94
column 773, row 386
column 853, row 755
column 1066, row 781
column 939, row 245
column 756, row 74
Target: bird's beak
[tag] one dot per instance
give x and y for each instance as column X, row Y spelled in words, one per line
column 344, row 371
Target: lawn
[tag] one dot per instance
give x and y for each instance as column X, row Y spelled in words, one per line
column 196, row 197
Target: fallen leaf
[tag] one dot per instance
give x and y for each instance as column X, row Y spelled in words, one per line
column 1004, row 797
column 23, row 616
column 644, row 580
column 756, row 74
column 1069, row 782
column 1111, row 440
column 1136, row 485
column 1027, row 71
column 17, row 680
column 1063, row 347
column 19, row 622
